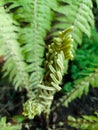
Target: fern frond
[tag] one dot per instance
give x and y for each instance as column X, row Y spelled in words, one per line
column 33, row 31
column 84, row 123
column 81, row 87
column 77, row 13
column 58, row 51
column 14, row 65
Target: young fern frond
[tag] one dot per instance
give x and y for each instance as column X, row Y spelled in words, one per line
column 14, row 65
column 84, row 123
column 58, row 51
column 77, row 13
column 81, row 87
column 34, row 17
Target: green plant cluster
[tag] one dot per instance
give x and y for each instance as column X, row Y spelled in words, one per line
column 84, row 70
column 85, row 60
column 33, row 64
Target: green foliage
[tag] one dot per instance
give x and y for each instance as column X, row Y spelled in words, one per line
column 34, row 24
column 38, row 67
column 19, row 118
column 14, row 65
column 8, row 126
column 77, row 13
column 86, row 58
column 84, row 72
column 84, row 123
column 67, row 87
column 81, row 87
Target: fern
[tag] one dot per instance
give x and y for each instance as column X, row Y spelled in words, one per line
column 84, row 123
column 81, row 86
column 32, row 32
column 14, row 65
column 78, row 14
column 59, row 50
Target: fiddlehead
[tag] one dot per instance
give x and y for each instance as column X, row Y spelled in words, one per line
column 58, row 51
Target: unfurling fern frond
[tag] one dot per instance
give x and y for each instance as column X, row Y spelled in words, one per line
column 58, row 51
column 81, row 87
column 84, row 123
column 14, row 65
column 77, row 13
column 34, row 17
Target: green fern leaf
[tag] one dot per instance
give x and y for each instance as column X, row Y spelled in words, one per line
column 78, row 14
column 33, row 31
column 81, row 87
column 14, row 65
column 84, row 123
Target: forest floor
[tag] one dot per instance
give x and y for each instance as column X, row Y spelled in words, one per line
column 87, row 105
column 11, row 104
